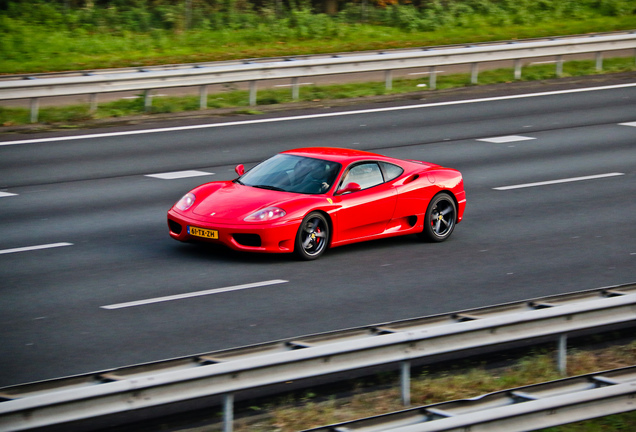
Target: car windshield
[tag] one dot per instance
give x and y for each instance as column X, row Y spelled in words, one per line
column 291, row 173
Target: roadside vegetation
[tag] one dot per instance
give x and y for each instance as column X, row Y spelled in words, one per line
column 458, row 381
column 42, row 36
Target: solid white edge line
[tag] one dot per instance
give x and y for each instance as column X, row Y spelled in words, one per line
column 550, row 182
column 33, row 248
column 312, row 116
column 193, row 294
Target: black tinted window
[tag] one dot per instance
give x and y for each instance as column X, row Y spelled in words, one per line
column 292, row 173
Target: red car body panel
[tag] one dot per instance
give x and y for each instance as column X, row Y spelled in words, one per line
column 395, row 207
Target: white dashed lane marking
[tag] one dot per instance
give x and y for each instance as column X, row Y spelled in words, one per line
column 633, row 124
column 506, row 139
column 550, row 182
column 194, row 294
column 179, row 174
column 34, row 248
column 6, row 194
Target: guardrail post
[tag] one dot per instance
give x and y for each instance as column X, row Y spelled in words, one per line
column 405, row 382
column 474, row 73
column 35, row 106
column 559, row 66
column 599, row 61
column 92, row 102
column 252, row 93
column 295, row 89
column 432, row 78
column 147, row 100
column 518, row 69
column 562, row 354
column 228, row 412
column 203, row 97
column 388, row 79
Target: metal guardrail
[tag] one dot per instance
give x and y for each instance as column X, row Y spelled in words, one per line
column 226, row 372
column 514, row 410
column 295, row 68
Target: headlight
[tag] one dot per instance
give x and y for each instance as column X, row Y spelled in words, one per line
column 186, row 202
column 267, row 214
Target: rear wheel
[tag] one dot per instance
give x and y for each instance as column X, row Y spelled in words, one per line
column 312, row 237
column 439, row 221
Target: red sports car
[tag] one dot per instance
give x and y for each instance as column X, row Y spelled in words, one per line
column 309, row 199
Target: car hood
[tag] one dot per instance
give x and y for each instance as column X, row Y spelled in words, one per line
column 228, row 201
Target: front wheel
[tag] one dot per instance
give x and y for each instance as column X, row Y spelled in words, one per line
column 439, row 221
column 312, row 237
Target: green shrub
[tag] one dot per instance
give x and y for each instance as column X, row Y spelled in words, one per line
column 38, row 35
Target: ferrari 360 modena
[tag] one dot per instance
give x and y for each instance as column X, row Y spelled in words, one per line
column 307, row 200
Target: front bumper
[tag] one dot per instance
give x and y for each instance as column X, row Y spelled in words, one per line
column 277, row 237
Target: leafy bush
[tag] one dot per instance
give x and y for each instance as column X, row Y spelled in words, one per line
column 144, row 16
column 39, row 35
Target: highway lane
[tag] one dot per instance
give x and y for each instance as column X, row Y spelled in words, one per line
column 95, row 195
column 247, row 140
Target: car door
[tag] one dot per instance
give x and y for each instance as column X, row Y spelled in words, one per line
column 365, row 212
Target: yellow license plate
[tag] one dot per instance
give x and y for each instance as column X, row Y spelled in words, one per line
column 203, row 232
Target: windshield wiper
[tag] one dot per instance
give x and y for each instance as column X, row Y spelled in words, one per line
column 268, row 187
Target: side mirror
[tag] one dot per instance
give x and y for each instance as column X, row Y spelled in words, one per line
column 240, row 169
column 348, row 188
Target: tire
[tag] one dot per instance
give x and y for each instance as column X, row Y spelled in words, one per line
column 312, row 237
column 440, row 218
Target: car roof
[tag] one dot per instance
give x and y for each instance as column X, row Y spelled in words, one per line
column 335, row 154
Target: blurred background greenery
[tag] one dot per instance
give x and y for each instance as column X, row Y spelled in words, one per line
column 55, row 35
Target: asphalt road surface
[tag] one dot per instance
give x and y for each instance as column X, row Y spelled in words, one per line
column 550, row 178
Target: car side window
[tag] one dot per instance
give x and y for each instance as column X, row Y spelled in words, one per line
column 366, row 174
column 391, row 171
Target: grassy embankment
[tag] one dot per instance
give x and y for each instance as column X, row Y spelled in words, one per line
column 42, row 38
